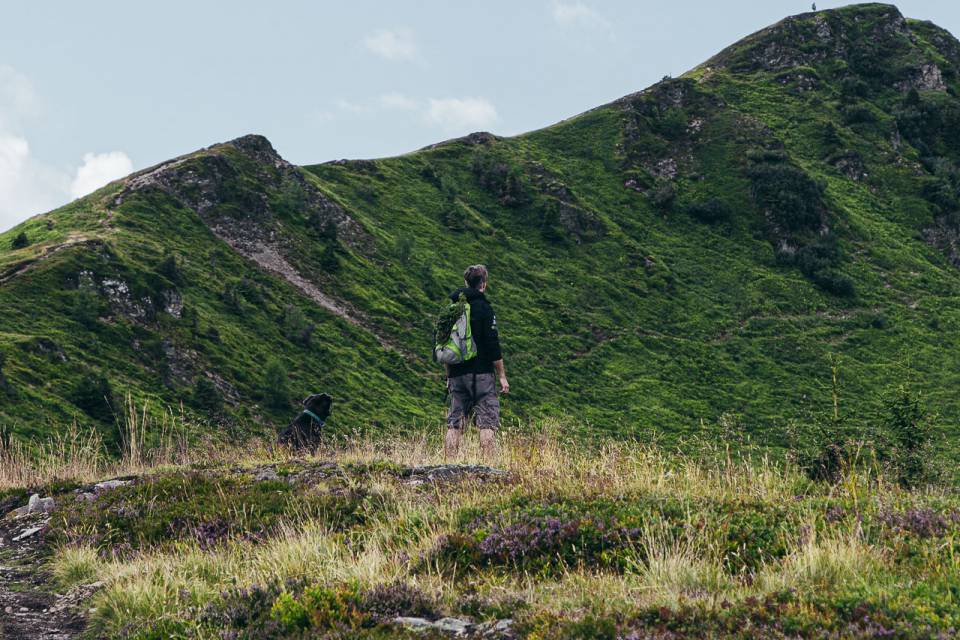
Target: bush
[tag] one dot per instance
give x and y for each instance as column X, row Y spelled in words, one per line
column 292, row 198
column 835, row 283
column 6, row 389
column 827, row 446
column 711, row 211
column 87, row 304
column 206, row 395
column 670, row 123
column 169, row 268
column 792, row 200
column 500, row 176
column 20, row 241
column 404, row 248
column 913, row 438
column 824, row 448
column 663, row 194
column 276, row 386
column 94, row 395
column 296, row 327
column 857, row 114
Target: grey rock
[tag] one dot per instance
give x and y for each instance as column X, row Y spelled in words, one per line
column 434, row 473
column 453, row 626
column 39, row 505
column 926, row 77
column 266, row 474
column 495, row 629
column 419, row 624
column 107, row 485
column 32, row 531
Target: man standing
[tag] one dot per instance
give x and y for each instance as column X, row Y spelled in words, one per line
column 472, row 386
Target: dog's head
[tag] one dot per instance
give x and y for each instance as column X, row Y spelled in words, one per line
column 318, row 403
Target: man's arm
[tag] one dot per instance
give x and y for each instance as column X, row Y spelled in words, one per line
column 491, row 338
column 502, row 374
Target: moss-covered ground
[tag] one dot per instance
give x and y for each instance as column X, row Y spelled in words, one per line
column 620, row 540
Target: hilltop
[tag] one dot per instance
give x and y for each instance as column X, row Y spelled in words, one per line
column 704, row 250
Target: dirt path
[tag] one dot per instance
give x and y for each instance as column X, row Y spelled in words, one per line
column 30, row 607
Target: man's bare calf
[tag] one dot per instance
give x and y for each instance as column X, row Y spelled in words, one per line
column 488, row 442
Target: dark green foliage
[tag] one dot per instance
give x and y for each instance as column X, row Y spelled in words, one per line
column 20, row 241
column 86, row 305
column 404, row 248
column 857, row 114
column 791, row 200
column 549, row 538
column 329, row 259
column 94, row 395
column 853, row 613
column 506, row 180
column 914, row 438
column 711, row 211
column 296, row 610
column 296, row 327
column 206, row 507
column 292, row 198
column 236, row 293
column 670, row 123
column 828, row 444
column 169, row 268
column 852, row 88
column 327, row 230
column 453, row 216
column 550, row 226
column 6, row 388
column 663, row 194
column 206, row 395
column 276, row 385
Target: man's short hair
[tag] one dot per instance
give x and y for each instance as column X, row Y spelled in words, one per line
column 475, row 275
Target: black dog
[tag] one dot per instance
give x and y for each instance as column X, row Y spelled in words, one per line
column 304, row 431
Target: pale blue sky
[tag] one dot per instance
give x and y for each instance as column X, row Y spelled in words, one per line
column 91, row 90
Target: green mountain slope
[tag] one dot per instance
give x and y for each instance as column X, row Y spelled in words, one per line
column 707, row 246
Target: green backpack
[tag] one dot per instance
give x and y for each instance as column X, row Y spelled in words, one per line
column 452, row 337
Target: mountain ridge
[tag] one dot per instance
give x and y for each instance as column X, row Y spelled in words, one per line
column 696, row 251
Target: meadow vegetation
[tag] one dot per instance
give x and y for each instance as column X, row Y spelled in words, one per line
column 602, row 539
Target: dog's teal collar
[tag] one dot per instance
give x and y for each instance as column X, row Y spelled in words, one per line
column 313, row 415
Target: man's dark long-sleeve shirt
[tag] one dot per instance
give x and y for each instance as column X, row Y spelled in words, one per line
column 483, row 325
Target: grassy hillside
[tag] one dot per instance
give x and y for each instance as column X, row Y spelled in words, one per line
column 703, row 250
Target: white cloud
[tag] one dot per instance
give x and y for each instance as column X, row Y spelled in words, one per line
column 399, row 101
column 461, row 113
column 27, row 187
column 577, row 13
column 392, row 44
column 97, row 170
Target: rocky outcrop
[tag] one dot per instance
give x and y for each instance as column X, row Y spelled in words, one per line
column 477, row 138
column 926, row 77
column 216, row 180
column 216, row 184
column 459, row 628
